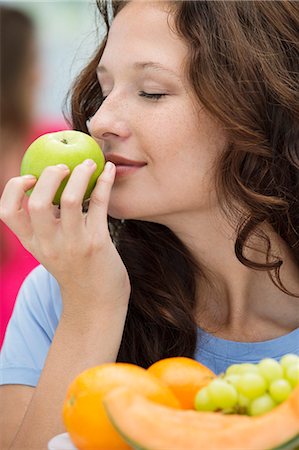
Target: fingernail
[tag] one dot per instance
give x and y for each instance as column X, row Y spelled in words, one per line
column 109, row 166
column 89, row 162
column 29, row 176
column 63, row 166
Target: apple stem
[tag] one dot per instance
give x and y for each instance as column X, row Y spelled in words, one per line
column 64, row 141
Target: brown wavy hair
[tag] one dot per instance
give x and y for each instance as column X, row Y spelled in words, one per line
column 242, row 64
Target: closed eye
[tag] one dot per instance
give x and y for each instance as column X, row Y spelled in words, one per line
column 144, row 94
column 151, row 96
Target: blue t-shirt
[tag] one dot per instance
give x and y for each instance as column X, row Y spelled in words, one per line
column 36, row 316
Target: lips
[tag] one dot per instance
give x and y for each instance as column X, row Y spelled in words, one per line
column 124, row 166
column 119, row 160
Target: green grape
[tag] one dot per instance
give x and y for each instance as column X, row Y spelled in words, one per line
column 270, row 369
column 261, row 405
column 232, row 379
column 248, row 368
column 280, row 390
column 292, row 374
column 228, row 411
column 288, row 360
column 252, row 385
column 242, row 404
column 223, row 394
column 234, row 369
column 203, row 401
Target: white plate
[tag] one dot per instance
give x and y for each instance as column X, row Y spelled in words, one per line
column 61, row 442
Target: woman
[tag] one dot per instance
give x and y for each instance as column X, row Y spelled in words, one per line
column 18, row 89
column 194, row 106
column 19, row 82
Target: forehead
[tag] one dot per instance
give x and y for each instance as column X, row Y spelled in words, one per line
column 144, row 30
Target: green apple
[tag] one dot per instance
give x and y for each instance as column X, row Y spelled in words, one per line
column 68, row 147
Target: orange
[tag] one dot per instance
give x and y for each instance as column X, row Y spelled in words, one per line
column 84, row 415
column 184, row 376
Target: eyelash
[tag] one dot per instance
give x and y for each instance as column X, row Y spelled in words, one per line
column 146, row 95
column 151, row 96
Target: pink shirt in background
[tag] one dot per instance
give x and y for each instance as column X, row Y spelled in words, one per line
column 16, row 262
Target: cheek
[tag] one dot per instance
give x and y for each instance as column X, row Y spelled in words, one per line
column 181, row 151
column 184, row 167
column 177, row 134
column 184, row 156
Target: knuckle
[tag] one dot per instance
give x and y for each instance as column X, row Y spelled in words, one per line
column 98, row 244
column 99, row 239
column 70, row 201
column 15, row 180
column 97, row 199
column 35, row 205
column 15, row 183
column 73, row 251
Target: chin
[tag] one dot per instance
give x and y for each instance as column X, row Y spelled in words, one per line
column 119, row 215
column 132, row 211
column 116, row 217
column 125, row 210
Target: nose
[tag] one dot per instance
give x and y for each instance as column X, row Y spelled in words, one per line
column 110, row 123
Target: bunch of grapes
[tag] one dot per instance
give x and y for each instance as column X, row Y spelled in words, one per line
column 251, row 389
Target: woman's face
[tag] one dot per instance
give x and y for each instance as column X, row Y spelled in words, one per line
column 150, row 116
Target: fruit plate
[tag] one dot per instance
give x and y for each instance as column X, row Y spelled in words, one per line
column 61, row 442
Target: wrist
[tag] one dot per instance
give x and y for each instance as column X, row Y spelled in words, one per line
column 74, row 315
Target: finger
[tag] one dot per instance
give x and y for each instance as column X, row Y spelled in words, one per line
column 99, row 200
column 72, row 220
column 11, row 206
column 40, row 204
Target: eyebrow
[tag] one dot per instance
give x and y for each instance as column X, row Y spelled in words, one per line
column 143, row 66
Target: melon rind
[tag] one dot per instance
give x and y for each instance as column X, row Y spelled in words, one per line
column 292, row 444
column 198, row 427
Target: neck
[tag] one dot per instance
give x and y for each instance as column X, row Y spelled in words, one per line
column 236, row 301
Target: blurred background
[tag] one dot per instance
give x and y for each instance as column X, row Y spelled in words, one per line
column 44, row 45
column 67, row 33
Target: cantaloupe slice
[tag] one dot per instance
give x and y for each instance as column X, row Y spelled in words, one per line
column 145, row 425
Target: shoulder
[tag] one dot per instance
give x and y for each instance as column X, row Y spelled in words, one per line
column 40, row 293
column 31, row 329
column 40, row 289
column 39, row 275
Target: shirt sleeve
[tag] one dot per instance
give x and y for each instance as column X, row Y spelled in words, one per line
column 31, row 329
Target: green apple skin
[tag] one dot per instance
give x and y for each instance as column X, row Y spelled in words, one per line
column 68, row 147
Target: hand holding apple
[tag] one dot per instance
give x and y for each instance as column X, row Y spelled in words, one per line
column 73, row 246
column 68, row 147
